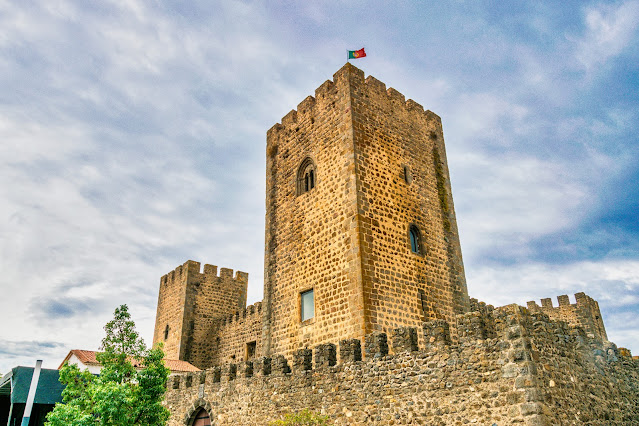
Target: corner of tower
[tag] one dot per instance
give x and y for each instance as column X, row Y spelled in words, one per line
column 348, row 72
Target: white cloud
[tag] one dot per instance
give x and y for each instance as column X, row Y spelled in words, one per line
column 505, row 201
column 614, row 283
column 609, row 30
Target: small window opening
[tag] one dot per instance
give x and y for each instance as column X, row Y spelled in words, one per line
column 415, row 240
column 307, row 304
column 306, row 176
column 250, row 350
column 166, row 332
column 422, row 302
column 408, row 178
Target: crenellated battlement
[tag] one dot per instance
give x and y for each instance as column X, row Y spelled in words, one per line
column 193, row 268
column 506, row 323
column 563, row 300
column 251, row 311
column 346, row 76
column 512, row 367
column 584, row 312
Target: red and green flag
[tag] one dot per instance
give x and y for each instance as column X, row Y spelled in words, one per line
column 356, row 54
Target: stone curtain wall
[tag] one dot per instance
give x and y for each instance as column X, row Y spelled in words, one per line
column 585, row 313
column 535, row 371
column 190, row 302
column 232, row 333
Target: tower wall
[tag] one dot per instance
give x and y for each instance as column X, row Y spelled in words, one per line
column 189, row 303
column 403, row 180
column 310, row 238
column 171, row 310
column 348, row 238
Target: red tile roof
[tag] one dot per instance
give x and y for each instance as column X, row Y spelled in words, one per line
column 89, row 358
column 178, row 366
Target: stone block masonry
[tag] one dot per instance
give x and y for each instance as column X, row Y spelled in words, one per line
column 190, row 303
column 373, row 233
column 584, row 313
column 535, row 371
column 236, row 337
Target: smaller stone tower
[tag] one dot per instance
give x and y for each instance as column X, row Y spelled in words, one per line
column 188, row 303
column 585, row 313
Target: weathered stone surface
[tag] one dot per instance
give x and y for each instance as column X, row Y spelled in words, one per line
column 325, row 355
column 262, row 366
column 552, row 380
column 279, row 365
column 404, row 339
column 302, row 360
column 350, row 350
column 436, row 334
column 376, row 345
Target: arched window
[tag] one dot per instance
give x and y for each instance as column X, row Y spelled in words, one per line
column 415, row 239
column 306, row 176
column 201, row 418
column 166, row 332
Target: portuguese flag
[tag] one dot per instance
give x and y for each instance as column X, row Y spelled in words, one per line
column 355, row 54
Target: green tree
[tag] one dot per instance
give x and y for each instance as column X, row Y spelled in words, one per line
column 122, row 394
column 302, row 418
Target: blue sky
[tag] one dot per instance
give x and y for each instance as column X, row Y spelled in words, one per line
column 133, row 139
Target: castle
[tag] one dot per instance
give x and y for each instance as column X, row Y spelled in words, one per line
column 362, row 250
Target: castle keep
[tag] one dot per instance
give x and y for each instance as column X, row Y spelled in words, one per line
column 363, row 271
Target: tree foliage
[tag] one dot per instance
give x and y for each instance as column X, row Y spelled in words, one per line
column 122, row 394
column 302, row 418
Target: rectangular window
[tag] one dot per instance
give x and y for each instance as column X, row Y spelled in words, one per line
column 307, row 305
column 250, row 350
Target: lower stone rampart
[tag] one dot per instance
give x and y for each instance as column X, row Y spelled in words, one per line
column 508, row 367
column 237, row 337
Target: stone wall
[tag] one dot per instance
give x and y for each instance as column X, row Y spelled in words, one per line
column 237, row 337
column 534, row 371
column 311, row 238
column 169, row 320
column 403, row 181
column 189, row 303
column 584, row 313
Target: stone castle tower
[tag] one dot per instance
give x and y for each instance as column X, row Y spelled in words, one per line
column 359, row 214
column 188, row 303
column 361, row 234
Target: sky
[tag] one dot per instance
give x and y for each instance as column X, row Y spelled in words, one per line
column 133, row 135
